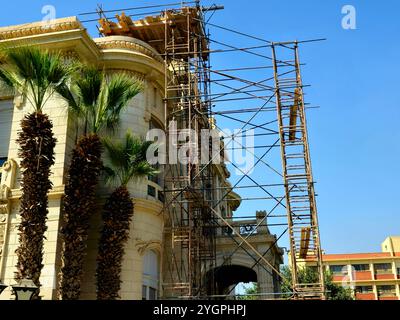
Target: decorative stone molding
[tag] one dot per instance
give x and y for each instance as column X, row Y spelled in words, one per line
column 142, row 245
column 147, row 115
column 148, row 206
column 4, row 209
column 4, row 193
column 37, row 28
column 70, row 56
column 19, row 100
column 8, row 173
column 136, row 45
column 137, row 75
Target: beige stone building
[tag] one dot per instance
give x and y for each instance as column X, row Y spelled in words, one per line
column 143, row 271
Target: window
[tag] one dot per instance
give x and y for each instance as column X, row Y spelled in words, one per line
column 150, row 275
column 6, row 116
column 161, row 196
column 338, row 269
column 151, row 191
column 364, row 289
column 361, row 267
column 154, row 97
column 383, row 268
column 2, row 160
column 398, row 271
column 388, row 290
column 154, row 124
column 144, row 293
column 152, row 293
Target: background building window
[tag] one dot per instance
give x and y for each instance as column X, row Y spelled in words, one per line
column 388, row 290
column 361, row 267
column 364, row 289
column 383, row 268
column 150, row 275
column 338, row 269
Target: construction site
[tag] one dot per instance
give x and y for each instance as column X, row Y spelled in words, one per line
column 195, row 224
column 223, row 223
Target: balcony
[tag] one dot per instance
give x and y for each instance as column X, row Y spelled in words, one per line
column 362, row 275
column 388, row 298
column 365, row 296
column 339, row 277
column 386, row 275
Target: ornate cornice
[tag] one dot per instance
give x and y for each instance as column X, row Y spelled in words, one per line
column 119, row 42
column 38, row 28
column 148, row 206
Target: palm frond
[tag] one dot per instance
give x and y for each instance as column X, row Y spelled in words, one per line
column 115, row 95
column 34, row 72
column 128, row 158
column 109, row 175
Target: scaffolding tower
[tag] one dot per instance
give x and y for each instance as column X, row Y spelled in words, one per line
column 189, row 228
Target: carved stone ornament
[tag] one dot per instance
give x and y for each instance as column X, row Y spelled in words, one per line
column 4, row 193
column 8, row 173
column 36, row 28
column 3, row 209
column 19, row 100
column 142, row 245
column 130, row 45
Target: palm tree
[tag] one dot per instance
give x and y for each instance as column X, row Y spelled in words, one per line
column 97, row 100
column 36, row 74
column 128, row 162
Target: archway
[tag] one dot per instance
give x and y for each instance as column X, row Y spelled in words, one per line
column 220, row 279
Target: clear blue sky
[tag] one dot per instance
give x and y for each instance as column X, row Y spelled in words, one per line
column 354, row 136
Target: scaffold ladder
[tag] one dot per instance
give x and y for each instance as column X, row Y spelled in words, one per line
column 297, row 174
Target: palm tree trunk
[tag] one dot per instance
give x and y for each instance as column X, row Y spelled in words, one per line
column 117, row 215
column 79, row 203
column 37, row 142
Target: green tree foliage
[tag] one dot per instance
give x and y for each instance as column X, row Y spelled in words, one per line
column 97, row 100
column 309, row 275
column 127, row 162
column 250, row 292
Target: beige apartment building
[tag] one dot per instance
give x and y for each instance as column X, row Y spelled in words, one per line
column 372, row 276
column 143, row 268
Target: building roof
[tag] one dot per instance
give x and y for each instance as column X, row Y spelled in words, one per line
column 357, row 256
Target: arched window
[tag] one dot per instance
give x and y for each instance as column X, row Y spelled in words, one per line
column 150, row 276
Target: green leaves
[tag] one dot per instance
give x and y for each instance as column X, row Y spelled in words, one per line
column 98, row 99
column 309, row 275
column 35, row 73
column 127, row 159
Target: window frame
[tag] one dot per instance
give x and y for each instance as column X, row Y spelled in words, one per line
column 343, row 271
column 361, row 269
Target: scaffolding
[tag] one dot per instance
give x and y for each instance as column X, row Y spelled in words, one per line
column 192, row 219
